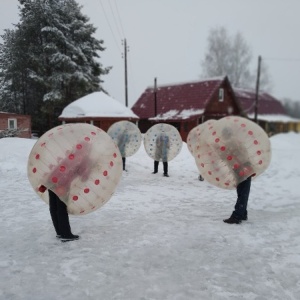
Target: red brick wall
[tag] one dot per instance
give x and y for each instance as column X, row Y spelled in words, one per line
column 23, row 123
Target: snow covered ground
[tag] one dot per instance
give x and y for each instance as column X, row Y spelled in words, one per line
column 156, row 238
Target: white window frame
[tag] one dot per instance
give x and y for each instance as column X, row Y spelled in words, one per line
column 12, row 122
column 221, row 94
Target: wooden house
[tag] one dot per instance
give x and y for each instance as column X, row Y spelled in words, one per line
column 186, row 105
column 97, row 109
column 15, row 123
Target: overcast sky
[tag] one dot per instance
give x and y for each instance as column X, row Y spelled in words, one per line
column 167, row 39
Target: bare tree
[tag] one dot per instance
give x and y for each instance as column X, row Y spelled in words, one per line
column 231, row 56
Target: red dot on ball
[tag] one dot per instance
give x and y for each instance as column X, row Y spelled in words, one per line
column 223, row 148
column 93, row 133
column 78, row 146
column 105, row 173
column 37, row 156
column 250, row 132
column 229, row 157
column 75, row 198
column 115, row 155
column 62, row 168
column 97, row 182
column 260, row 162
column 54, row 179
column 217, row 140
column 71, row 156
column 236, row 166
column 87, row 139
column 86, row 190
column 111, row 164
column 255, row 142
column 34, row 170
column 258, row 152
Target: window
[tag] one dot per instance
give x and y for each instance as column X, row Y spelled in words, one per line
column 12, row 123
column 221, row 95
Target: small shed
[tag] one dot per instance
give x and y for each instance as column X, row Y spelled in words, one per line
column 186, row 105
column 16, row 124
column 97, row 109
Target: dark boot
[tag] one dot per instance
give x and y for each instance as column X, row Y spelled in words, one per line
column 71, row 237
column 232, row 220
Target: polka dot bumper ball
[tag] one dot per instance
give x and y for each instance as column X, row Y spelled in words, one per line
column 162, row 142
column 231, row 150
column 194, row 136
column 127, row 136
column 79, row 162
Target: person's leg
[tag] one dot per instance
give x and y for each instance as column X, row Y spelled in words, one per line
column 166, row 168
column 63, row 219
column 53, row 211
column 243, row 191
column 156, row 162
column 124, row 162
column 240, row 208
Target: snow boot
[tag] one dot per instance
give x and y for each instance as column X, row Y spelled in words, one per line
column 68, row 238
column 232, row 220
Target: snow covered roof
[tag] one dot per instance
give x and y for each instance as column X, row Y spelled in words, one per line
column 176, row 114
column 97, row 104
column 274, row 118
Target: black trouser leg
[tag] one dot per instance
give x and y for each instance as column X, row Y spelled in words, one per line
column 165, row 167
column 243, row 191
column 156, row 166
column 59, row 215
column 53, row 210
column 124, row 162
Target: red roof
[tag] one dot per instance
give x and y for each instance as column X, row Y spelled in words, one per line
column 179, row 97
column 267, row 105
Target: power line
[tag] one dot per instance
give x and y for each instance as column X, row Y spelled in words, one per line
column 114, row 18
column 122, row 28
column 110, row 26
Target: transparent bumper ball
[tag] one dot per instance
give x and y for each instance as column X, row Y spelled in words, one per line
column 162, row 142
column 195, row 135
column 78, row 162
column 127, row 136
column 231, row 150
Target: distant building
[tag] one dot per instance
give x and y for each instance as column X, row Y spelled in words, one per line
column 271, row 114
column 97, row 109
column 186, row 105
column 15, row 123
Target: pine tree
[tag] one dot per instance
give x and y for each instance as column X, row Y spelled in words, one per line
column 54, row 60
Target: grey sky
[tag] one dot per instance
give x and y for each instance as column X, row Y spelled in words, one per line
column 167, row 39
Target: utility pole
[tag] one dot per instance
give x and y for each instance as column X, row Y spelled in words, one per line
column 126, row 49
column 155, row 99
column 257, row 89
